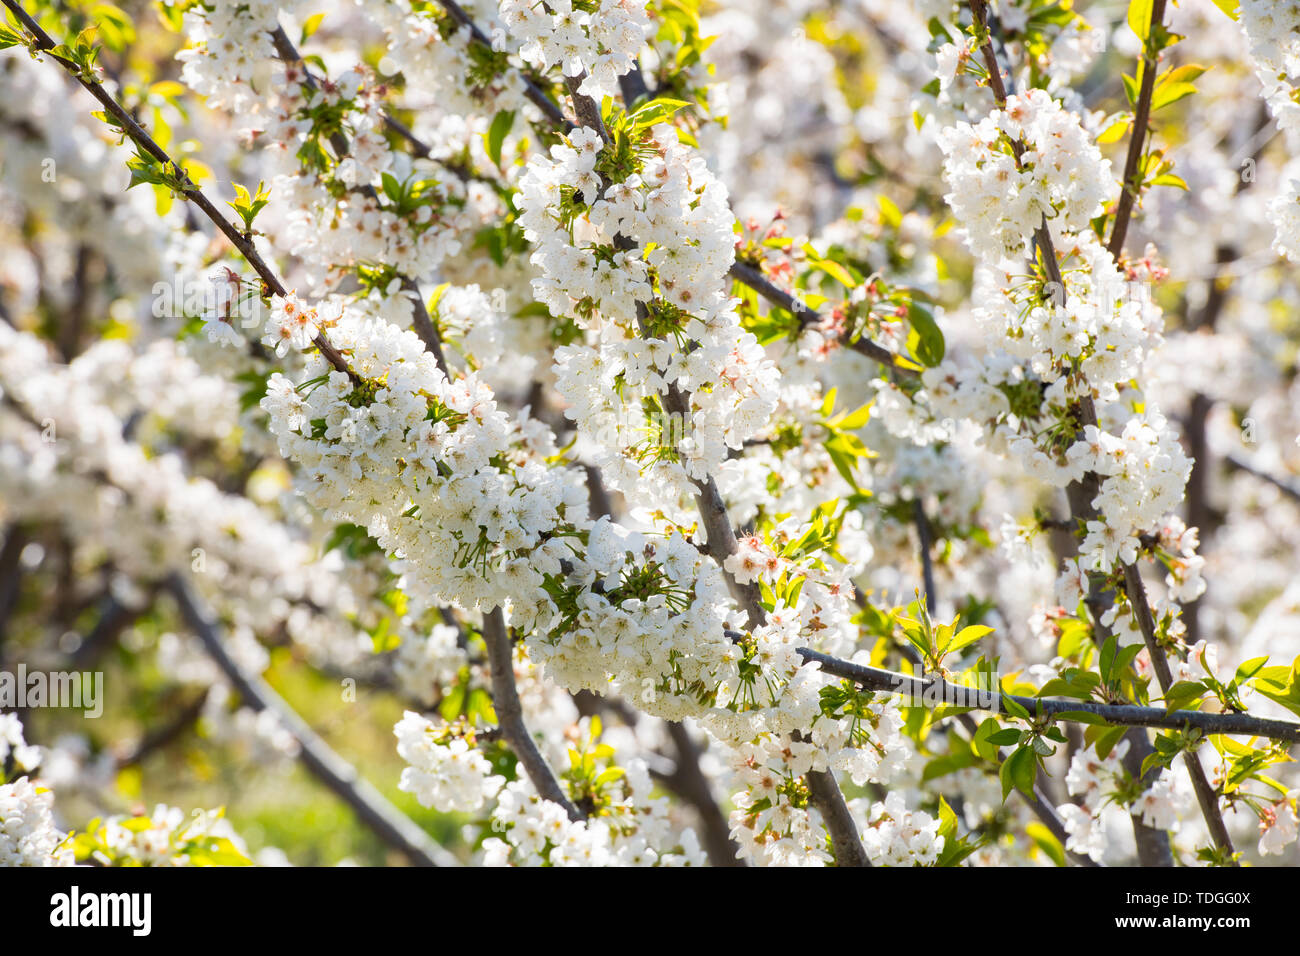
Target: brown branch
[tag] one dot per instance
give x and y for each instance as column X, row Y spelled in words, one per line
column 11, row 575
column 749, row 276
column 1138, row 140
column 165, row 734
column 940, row 691
column 510, row 714
column 1153, row 847
column 1282, row 485
column 1205, row 795
column 392, row 826
column 243, row 243
column 689, row 782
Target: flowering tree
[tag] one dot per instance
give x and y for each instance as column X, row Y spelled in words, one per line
column 767, row 434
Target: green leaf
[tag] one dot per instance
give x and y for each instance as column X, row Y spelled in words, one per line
column 1168, row 93
column 1130, row 88
column 1018, row 772
column 1074, row 683
column 1014, row 708
column 836, row 272
column 115, row 26
column 311, row 25
column 1115, row 131
column 980, row 741
column 495, row 137
column 655, row 111
column 1105, row 740
column 1007, row 737
column 1279, row 685
column 1183, row 694
column 1139, row 18
column 10, row 38
column 916, row 636
column 966, row 637
column 1107, row 657
column 928, row 345
column 1250, row 668
column 392, row 188
column 1047, row 842
column 946, row 764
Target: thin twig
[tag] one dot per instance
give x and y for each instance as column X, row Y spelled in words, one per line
column 1137, row 142
column 749, row 276
column 165, row 734
column 1288, row 489
column 531, row 89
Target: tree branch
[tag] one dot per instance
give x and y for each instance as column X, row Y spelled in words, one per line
column 941, row 691
column 510, row 714
column 388, row 823
column 243, row 243
column 1153, row 850
column 1205, row 795
column 1137, row 142
column 749, row 276
column 531, row 90
column 1288, row 489
column 689, row 782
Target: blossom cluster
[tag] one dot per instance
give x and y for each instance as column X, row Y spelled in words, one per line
column 1102, row 781
column 1272, row 30
column 609, row 248
column 1001, row 198
column 28, row 834
column 601, row 39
